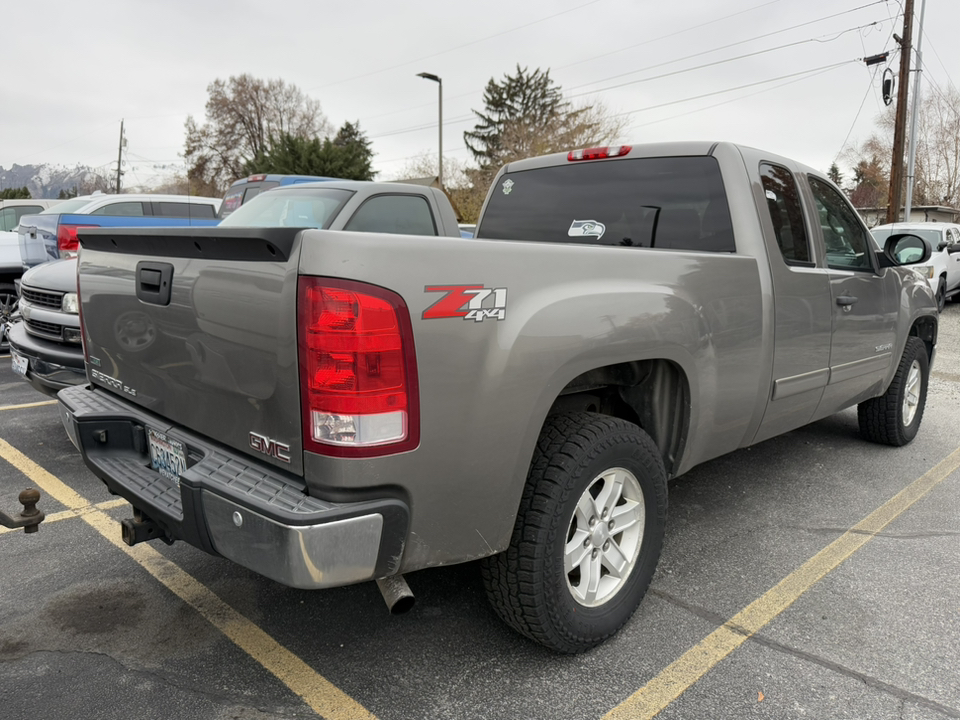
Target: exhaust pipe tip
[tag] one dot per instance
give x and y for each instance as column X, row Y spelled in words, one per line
column 397, row 594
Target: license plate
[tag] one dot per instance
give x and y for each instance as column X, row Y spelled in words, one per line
column 18, row 363
column 167, row 455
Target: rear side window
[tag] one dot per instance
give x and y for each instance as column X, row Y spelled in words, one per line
column 783, row 204
column 847, row 243
column 8, row 219
column 183, row 210
column 121, row 209
column 662, row 203
column 399, row 214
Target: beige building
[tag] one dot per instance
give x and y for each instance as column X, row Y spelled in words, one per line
column 923, row 213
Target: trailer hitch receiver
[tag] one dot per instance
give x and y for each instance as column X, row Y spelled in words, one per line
column 29, row 518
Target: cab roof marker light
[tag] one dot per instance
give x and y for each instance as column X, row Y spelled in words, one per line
column 599, row 153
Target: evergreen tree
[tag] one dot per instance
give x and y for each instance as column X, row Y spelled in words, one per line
column 20, row 193
column 347, row 156
column 835, row 175
column 523, row 114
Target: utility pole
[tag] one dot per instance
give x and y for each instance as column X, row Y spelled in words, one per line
column 900, row 124
column 120, row 151
column 912, row 145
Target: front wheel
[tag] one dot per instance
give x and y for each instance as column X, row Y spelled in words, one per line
column 894, row 417
column 588, row 533
column 941, row 295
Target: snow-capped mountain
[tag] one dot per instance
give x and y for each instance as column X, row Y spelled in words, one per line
column 47, row 181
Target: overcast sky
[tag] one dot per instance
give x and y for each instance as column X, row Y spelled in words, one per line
column 73, row 70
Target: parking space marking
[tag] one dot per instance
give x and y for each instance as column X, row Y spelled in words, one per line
column 322, row 696
column 685, row 671
column 73, row 513
column 28, row 405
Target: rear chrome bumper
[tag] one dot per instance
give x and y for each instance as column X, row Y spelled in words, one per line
column 228, row 505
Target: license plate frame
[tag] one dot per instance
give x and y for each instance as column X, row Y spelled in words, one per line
column 167, row 456
column 19, row 363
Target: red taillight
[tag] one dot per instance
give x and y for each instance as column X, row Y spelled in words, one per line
column 599, row 153
column 67, row 241
column 358, row 371
column 256, row 178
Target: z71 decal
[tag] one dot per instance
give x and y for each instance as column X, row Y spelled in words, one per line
column 467, row 302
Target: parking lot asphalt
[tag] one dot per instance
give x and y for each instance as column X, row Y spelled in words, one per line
column 813, row 575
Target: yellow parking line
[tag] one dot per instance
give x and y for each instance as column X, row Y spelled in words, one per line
column 28, row 405
column 317, row 692
column 72, row 513
column 681, row 674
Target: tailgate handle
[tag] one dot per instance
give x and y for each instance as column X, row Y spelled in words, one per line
column 154, row 281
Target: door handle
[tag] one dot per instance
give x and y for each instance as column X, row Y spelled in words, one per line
column 846, row 300
column 154, row 281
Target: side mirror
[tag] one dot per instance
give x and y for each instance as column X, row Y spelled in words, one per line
column 905, row 249
column 943, row 245
column 954, row 249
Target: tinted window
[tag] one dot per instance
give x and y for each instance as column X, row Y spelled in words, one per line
column 8, row 219
column 667, row 203
column 310, row 208
column 847, row 242
column 402, row 214
column 121, row 209
column 183, row 210
column 783, row 204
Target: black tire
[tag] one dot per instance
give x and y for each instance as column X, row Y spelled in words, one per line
column 8, row 305
column 885, row 419
column 941, row 295
column 528, row 585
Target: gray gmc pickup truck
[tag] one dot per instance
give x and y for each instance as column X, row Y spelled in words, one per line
column 328, row 407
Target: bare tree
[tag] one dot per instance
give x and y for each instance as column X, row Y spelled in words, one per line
column 243, row 115
column 937, row 172
column 456, row 182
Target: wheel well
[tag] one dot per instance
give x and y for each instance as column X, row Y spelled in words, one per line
column 8, row 278
column 654, row 394
column 925, row 328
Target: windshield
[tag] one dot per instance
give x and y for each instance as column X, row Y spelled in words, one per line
column 67, row 207
column 933, row 237
column 303, row 208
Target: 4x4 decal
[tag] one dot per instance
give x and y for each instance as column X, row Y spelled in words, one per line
column 467, row 302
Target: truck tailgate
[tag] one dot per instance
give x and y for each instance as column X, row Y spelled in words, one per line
column 199, row 327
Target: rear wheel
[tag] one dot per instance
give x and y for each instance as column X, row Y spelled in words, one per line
column 894, row 417
column 588, row 534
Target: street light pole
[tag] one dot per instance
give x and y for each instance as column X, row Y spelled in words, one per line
column 439, row 82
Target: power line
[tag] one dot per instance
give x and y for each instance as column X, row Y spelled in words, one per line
column 458, row 47
column 669, row 62
column 739, row 42
column 739, row 87
column 873, row 78
column 669, row 35
column 736, row 99
column 706, row 65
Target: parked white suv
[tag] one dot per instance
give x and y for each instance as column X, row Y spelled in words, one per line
column 942, row 270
